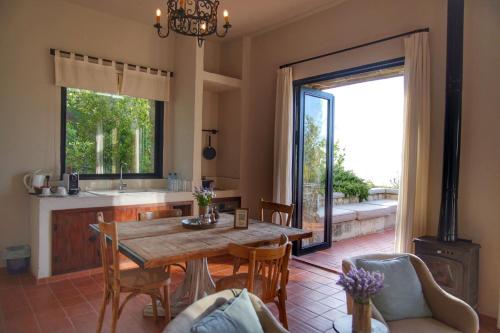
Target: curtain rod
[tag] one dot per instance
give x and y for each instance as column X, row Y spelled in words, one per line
column 53, row 52
column 355, row 47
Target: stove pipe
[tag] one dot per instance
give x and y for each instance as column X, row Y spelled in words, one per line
column 447, row 230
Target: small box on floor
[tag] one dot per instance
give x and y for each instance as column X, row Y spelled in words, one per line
column 17, row 258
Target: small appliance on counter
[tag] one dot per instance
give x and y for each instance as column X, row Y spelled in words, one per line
column 207, row 184
column 71, row 181
column 35, row 181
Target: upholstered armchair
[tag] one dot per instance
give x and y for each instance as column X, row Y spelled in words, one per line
column 201, row 308
column 449, row 314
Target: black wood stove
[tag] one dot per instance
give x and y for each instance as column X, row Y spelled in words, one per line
column 453, row 262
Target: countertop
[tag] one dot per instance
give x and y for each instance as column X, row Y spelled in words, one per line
column 102, row 198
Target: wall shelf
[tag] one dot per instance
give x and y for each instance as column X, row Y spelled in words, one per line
column 220, row 83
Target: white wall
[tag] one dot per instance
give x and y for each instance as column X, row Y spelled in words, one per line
column 29, row 101
column 350, row 23
column 358, row 21
column 479, row 192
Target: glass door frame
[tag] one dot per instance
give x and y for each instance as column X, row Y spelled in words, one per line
column 297, row 169
column 297, row 134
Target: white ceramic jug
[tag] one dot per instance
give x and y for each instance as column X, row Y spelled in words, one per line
column 34, row 180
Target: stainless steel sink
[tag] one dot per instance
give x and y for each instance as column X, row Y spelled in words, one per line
column 127, row 191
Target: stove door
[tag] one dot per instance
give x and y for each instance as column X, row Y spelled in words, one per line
column 448, row 273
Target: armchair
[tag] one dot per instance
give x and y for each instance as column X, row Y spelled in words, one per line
column 449, row 314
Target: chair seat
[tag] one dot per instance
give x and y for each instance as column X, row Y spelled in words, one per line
column 239, row 281
column 419, row 325
column 143, row 278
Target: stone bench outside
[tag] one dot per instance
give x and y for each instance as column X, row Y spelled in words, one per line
column 353, row 220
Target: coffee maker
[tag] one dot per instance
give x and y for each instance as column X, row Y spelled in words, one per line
column 71, row 182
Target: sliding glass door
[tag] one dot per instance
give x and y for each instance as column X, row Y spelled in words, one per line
column 313, row 162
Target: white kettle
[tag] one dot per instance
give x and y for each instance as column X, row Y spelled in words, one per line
column 34, row 181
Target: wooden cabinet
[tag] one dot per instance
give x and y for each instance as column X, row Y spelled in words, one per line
column 76, row 248
column 227, row 205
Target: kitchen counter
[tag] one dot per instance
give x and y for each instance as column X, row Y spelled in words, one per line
column 102, row 198
column 41, row 213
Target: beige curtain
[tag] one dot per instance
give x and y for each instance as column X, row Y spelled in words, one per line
column 83, row 74
column 411, row 218
column 137, row 83
column 283, row 129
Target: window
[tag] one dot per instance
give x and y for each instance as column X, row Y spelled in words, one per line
column 102, row 132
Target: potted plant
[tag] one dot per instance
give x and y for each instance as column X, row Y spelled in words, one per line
column 204, row 198
column 361, row 285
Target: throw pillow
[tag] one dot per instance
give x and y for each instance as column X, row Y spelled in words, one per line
column 235, row 316
column 402, row 295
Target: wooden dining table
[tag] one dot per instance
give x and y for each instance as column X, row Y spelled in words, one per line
column 162, row 242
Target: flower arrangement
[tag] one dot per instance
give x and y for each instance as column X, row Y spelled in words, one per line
column 361, row 285
column 203, row 196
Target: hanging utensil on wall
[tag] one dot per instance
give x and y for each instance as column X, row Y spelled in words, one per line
column 209, row 152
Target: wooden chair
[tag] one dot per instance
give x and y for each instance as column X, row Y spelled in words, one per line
column 133, row 281
column 159, row 214
column 279, row 209
column 162, row 214
column 267, row 275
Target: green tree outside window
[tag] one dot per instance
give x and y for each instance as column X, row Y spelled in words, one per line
column 314, row 171
column 105, row 131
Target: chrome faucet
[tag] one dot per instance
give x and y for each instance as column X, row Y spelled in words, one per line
column 123, row 185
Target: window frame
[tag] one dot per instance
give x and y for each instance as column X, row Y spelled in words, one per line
column 158, row 149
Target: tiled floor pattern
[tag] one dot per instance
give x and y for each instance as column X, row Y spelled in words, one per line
column 380, row 242
column 72, row 305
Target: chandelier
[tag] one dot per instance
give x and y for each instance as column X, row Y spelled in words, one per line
column 197, row 18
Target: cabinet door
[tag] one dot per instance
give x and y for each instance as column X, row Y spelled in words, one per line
column 74, row 246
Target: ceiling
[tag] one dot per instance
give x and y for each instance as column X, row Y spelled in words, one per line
column 247, row 16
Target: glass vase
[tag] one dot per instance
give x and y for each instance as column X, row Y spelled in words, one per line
column 204, row 214
column 361, row 317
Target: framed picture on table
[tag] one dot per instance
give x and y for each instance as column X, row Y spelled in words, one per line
column 241, row 218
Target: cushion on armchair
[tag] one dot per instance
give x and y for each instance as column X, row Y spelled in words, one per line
column 402, row 295
column 235, row 316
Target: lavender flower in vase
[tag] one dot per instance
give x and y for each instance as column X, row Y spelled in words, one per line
column 361, row 286
column 204, row 198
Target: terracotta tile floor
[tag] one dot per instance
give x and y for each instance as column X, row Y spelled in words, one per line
column 381, row 242
column 71, row 305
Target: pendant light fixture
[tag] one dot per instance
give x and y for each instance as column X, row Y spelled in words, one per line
column 197, row 18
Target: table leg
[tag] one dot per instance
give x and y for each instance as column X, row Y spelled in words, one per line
column 197, row 284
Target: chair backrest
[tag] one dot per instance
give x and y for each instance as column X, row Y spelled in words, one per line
column 110, row 265
column 285, row 212
column 268, row 263
column 159, row 214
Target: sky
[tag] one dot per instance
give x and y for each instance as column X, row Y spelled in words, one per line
column 369, row 125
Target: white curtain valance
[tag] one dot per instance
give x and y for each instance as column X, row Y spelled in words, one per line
column 137, row 83
column 82, row 74
column 113, row 78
